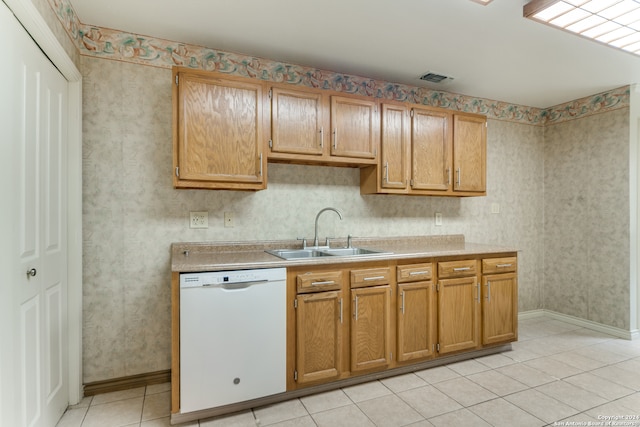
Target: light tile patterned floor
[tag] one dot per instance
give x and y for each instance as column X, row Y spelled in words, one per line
column 556, row 373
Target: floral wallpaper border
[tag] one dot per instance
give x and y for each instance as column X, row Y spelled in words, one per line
column 121, row 46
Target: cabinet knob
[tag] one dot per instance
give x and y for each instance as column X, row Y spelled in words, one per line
column 31, row 273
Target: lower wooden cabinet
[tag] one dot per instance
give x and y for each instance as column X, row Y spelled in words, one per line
column 416, row 317
column 370, row 328
column 318, row 336
column 362, row 318
column 499, row 300
column 458, row 310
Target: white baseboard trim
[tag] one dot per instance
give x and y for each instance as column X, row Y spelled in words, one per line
column 599, row 327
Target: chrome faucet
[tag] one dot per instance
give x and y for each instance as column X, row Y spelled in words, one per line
column 315, row 236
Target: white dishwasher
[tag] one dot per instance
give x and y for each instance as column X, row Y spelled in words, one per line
column 232, row 336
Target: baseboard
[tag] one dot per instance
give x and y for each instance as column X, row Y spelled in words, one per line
column 126, row 383
column 595, row 326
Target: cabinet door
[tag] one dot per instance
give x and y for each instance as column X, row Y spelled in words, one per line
column 318, row 336
column 296, row 122
column 219, row 135
column 353, row 127
column 458, row 310
column 416, row 321
column 469, row 153
column 430, row 150
column 499, row 308
column 394, row 142
column 370, row 328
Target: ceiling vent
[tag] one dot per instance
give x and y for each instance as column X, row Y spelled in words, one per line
column 435, row 78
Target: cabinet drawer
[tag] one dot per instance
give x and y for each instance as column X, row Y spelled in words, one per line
column 499, row 265
column 467, row 267
column 414, row 272
column 319, row 281
column 370, row 277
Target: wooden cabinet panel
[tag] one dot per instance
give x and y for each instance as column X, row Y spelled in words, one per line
column 218, row 132
column 469, row 153
column 414, row 272
column 319, row 281
column 499, row 308
column 394, row 142
column 461, row 268
column 430, row 150
column 297, row 122
column 458, row 310
column 370, row 328
column 370, row 277
column 318, row 336
column 353, row 127
column 499, row 265
column 416, row 317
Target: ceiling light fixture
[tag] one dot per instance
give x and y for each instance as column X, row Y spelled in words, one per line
column 485, row 2
column 612, row 22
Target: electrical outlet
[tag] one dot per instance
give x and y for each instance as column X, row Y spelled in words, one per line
column 229, row 219
column 495, row 208
column 199, row 219
column 438, row 218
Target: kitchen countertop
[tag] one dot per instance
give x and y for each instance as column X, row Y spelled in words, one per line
column 217, row 256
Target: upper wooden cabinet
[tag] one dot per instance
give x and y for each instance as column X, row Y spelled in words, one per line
column 223, row 124
column 218, row 132
column 313, row 127
column 354, row 130
column 428, row 151
column 470, row 153
column 297, row 123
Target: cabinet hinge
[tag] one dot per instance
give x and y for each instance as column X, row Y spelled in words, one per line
column 178, row 171
column 270, row 143
column 438, row 287
column 295, row 375
column 176, row 80
column 270, row 93
column 438, row 347
column 411, row 113
column 411, row 182
column 295, row 303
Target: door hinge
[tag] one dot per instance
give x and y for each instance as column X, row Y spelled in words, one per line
column 295, row 303
column 178, row 171
column 176, row 80
column 295, row 375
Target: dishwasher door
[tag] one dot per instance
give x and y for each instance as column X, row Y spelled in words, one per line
column 232, row 337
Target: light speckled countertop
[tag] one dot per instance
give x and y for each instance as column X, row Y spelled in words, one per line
column 216, row 256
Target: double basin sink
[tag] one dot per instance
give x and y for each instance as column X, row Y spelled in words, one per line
column 323, row 252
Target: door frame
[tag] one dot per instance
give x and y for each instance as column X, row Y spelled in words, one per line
column 36, row 26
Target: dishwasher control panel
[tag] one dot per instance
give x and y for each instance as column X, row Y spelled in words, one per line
column 213, row 278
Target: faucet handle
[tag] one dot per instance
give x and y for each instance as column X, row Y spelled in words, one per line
column 304, row 242
column 326, row 240
column 349, row 240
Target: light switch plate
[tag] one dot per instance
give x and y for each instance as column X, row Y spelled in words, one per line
column 438, row 218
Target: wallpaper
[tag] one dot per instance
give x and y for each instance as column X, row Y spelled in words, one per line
column 586, row 215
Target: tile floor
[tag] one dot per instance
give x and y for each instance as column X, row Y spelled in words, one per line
column 557, row 373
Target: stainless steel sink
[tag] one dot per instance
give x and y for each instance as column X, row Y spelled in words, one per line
column 353, row 251
column 322, row 252
column 297, row 253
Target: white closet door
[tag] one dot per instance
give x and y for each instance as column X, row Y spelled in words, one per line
column 35, row 133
